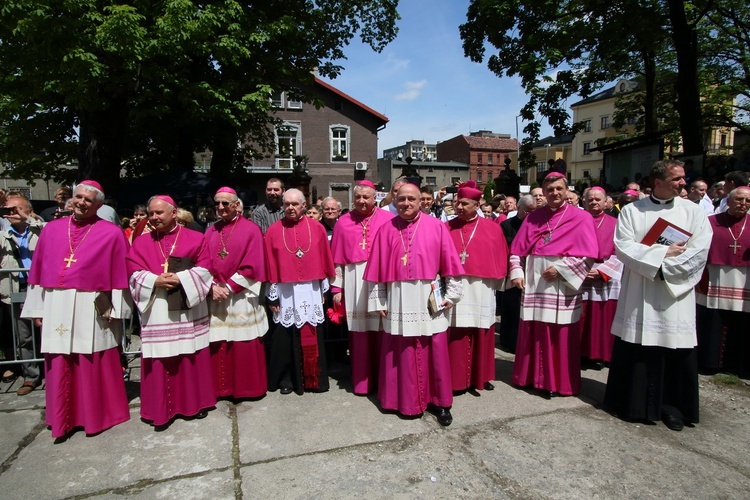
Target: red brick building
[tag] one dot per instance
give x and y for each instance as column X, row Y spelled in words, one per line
column 483, row 151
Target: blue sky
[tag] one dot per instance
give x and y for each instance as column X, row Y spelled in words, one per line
column 423, row 83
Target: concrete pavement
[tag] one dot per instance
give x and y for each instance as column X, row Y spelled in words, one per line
column 507, row 443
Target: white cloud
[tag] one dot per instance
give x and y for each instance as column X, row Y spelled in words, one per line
column 413, row 89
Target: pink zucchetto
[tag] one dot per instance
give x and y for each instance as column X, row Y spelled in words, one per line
column 93, row 184
column 367, row 183
column 631, row 192
column 469, row 190
column 167, row 198
column 226, row 189
column 554, row 175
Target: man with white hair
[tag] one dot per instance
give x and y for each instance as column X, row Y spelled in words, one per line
column 351, row 246
column 299, row 267
column 331, row 209
column 238, row 320
column 75, row 295
column 725, row 295
column 170, row 279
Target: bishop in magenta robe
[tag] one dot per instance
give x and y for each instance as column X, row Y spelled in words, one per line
column 351, row 246
column 238, row 320
column 558, row 242
column 79, row 262
column 408, row 254
column 170, row 278
column 299, row 267
column 483, row 251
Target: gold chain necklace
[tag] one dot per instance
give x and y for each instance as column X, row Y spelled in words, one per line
column 550, row 229
column 165, row 266
column 736, row 245
column 403, row 244
column 464, row 247
column 70, row 258
column 223, row 252
column 299, row 253
column 365, row 223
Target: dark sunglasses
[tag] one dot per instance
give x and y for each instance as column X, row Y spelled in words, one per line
column 222, row 203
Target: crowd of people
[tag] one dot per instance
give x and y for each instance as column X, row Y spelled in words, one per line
column 246, row 304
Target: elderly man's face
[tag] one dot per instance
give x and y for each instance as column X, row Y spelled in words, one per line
column 738, row 204
column 538, row 194
column 331, row 210
column 573, row 198
column 226, row 206
column 294, row 207
column 407, row 201
column 595, row 201
column 364, row 200
column 161, row 215
column 466, row 209
column 510, row 204
column 84, row 203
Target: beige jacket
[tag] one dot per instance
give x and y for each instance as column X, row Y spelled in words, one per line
column 11, row 259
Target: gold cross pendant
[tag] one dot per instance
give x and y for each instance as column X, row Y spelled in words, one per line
column 70, row 259
column 165, row 266
column 223, row 253
column 404, row 259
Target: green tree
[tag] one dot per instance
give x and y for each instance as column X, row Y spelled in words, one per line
column 144, row 84
column 587, row 44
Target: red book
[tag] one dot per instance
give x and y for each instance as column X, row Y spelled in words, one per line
column 665, row 233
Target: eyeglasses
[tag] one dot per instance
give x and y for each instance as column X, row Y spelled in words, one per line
column 222, row 203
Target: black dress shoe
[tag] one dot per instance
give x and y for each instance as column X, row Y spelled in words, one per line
column 672, row 422
column 598, row 365
column 201, row 414
column 285, row 390
column 444, row 416
column 488, row 386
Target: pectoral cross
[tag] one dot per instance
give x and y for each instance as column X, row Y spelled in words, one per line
column 223, row 253
column 70, row 259
column 165, row 266
column 363, row 244
column 404, row 259
column 463, row 256
column 547, row 238
column 734, row 248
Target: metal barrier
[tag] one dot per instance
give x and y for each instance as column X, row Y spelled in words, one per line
column 17, row 297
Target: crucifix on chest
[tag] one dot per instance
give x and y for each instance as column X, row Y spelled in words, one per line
column 734, row 246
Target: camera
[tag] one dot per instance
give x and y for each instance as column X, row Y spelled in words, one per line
column 6, row 211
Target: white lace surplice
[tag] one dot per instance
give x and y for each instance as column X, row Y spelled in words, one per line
column 299, row 303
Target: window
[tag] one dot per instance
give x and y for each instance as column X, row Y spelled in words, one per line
column 723, row 140
column 339, row 135
column 489, row 159
column 480, row 175
column 605, row 122
column 586, row 148
column 541, row 166
column 455, row 180
column 479, row 158
column 587, row 126
column 277, row 99
column 288, row 140
column 431, row 181
column 292, row 101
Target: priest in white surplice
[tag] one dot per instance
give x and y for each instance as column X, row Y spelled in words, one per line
column 654, row 371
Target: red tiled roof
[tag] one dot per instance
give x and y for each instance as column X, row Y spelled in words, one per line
column 349, row 98
column 491, row 143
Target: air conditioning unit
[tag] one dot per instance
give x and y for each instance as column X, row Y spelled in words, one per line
column 360, row 165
